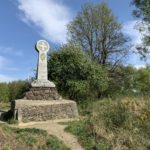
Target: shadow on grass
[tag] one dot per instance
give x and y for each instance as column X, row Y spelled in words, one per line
column 7, row 116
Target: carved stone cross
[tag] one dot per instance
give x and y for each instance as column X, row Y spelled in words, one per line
column 42, row 47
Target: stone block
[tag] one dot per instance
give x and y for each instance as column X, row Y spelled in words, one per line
column 42, row 93
column 38, row 110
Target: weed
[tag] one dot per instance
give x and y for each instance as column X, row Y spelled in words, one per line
column 53, row 144
column 5, row 148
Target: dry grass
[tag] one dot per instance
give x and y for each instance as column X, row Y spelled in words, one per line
column 4, row 106
column 115, row 125
column 28, row 139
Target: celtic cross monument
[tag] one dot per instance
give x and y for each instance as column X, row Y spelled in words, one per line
column 42, row 101
column 42, row 48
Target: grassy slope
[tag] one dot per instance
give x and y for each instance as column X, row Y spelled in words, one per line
column 28, row 139
column 4, row 106
column 114, row 125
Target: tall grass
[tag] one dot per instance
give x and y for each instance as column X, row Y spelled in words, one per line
column 115, row 125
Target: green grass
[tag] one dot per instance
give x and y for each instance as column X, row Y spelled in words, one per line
column 109, row 124
column 28, row 138
column 54, row 144
column 83, row 130
column 4, row 106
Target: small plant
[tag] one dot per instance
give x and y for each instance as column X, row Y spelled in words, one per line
column 117, row 116
column 84, row 131
column 54, row 144
column 5, row 148
column 30, row 140
column 31, row 130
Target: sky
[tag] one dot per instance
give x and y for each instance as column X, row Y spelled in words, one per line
column 23, row 22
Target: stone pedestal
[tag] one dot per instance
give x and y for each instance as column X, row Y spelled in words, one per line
column 42, row 93
column 29, row 110
column 43, row 102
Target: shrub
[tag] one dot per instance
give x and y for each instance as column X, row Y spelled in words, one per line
column 78, row 90
column 54, row 144
column 4, row 92
column 121, row 81
column 17, row 89
column 142, row 81
column 13, row 90
column 123, row 124
column 75, row 75
column 83, row 130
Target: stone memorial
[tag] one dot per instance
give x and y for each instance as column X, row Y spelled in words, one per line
column 42, row 101
column 42, row 88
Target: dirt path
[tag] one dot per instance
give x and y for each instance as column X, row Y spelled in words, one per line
column 54, row 128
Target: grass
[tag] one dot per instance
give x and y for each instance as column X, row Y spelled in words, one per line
column 4, row 106
column 28, row 138
column 114, row 125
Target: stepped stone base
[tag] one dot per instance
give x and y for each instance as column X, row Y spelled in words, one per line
column 42, row 93
column 38, row 110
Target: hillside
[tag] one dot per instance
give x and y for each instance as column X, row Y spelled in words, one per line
column 28, row 139
column 114, row 125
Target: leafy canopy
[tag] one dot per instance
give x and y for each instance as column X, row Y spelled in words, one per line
column 75, row 74
column 99, row 33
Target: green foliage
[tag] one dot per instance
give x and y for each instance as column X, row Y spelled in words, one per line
column 142, row 11
column 83, row 130
column 5, row 148
column 4, row 92
column 99, row 34
column 142, row 80
column 129, row 81
column 53, row 144
column 17, row 89
column 116, row 116
column 31, row 130
column 112, row 124
column 78, row 90
column 13, row 90
column 76, row 76
column 122, row 81
column 29, row 138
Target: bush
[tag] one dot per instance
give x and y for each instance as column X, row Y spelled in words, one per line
column 4, row 92
column 142, row 81
column 121, row 81
column 75, row 75
column 13, row 90
column 129, row 81
column 17, row 89
column 54, row 144
column 83, row 130
column 120, row 125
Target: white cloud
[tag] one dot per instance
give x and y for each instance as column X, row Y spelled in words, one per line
column 50, row 16
column 139, row 66
column 6, row 64
column 5, row 78
column 130, row 29
column 3, row 62
column 10, row 51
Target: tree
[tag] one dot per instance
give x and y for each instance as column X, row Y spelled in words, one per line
column 75, row 75
column 4, row 92
column 142, row 11
column 98, row 32
column 18, row 88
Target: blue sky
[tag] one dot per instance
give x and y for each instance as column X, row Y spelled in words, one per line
column 23, row 22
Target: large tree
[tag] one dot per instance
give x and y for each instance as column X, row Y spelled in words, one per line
column 142, row 11
column 97, row 30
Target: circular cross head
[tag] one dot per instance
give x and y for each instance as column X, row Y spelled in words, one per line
column 42, row 46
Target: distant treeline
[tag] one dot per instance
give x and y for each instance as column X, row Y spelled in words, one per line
column 78, row 77
column 13, row 90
